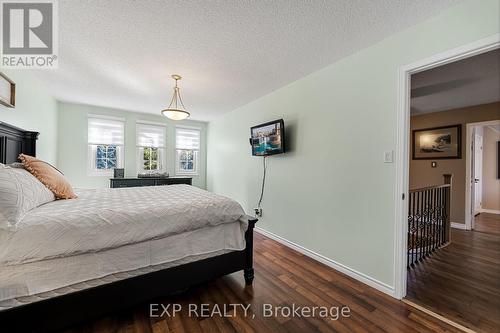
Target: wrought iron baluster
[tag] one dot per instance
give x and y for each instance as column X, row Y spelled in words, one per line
column 440, row 218
column 434, row 219
column 447, row 194
column 410, row 221
column 420, row 233
column 431, row 222
column 412, row 250
column 443, row 217
column 434, row 233
column 429, row 225
column 425, row 221
column 413, row 230
column 408, row 242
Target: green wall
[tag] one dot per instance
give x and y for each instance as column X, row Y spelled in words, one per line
column 72, row 129
column 332, row 193
column 36, row 110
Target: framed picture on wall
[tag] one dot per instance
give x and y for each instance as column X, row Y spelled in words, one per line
column 437, row 143
column 7, row 91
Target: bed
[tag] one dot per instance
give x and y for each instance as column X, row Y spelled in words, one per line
column 69, row 261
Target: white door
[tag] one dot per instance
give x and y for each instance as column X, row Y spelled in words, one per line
column 478, row 170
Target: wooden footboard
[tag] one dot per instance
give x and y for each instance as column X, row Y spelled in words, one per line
column 64, row 311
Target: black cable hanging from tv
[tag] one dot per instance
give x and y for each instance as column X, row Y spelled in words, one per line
column 263, row 181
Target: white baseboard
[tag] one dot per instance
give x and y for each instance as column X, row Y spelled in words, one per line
column 491, row 211
column 385, row 288
column 457, row 225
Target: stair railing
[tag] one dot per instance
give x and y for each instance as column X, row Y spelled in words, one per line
column 428, row 220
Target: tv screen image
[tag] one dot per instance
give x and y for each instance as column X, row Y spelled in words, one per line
column 268, row 139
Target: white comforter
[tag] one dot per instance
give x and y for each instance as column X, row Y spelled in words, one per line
column 109, row 218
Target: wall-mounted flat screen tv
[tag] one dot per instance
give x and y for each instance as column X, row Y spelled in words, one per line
column 268, row 139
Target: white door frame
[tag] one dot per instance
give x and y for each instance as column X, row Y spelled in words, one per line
column 469, row 220
column 403, row 145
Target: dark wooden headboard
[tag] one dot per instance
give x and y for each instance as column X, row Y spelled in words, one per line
column 14, row 141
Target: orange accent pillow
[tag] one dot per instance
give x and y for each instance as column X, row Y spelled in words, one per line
column 49, row 176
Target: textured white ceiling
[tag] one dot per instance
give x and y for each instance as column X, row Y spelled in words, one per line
column 468, row 82
column 120, row 53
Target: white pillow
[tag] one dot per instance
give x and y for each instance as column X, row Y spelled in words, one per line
column 20, row 192
column 18, row 165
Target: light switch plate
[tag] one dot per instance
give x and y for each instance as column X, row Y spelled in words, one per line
column 388, row 156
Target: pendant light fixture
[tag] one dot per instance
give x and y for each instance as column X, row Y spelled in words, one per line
column 176, row 110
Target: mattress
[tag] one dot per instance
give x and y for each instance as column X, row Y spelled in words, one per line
column 110, row 234
column 104, row 219
column 33, row 281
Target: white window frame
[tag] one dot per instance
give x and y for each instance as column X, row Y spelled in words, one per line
column 92, row 150
column 162, row 151
column 196, row 154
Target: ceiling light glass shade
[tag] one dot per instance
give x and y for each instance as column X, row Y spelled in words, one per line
column 176, row 110
column 175, row 114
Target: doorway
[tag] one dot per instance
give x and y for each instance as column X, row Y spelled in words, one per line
column 475, row 160
column 477, row 167
column 404, row 148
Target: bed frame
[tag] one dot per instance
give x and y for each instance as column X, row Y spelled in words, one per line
column 66, row 310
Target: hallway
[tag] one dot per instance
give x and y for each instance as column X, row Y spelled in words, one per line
column 462, row 280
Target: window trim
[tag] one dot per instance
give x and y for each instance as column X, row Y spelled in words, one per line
column 189, row 127
column 147, row 122
column 106, row 117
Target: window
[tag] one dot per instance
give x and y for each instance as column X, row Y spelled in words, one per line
column 150, row 147
column 106, row 157
column 105, row 144
column 187, row 145
column 150, row 159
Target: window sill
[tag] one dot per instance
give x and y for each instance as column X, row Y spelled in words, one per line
column 99, row 174
column 187, row 174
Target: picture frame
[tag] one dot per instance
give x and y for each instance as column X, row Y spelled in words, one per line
column 7, row 91
column 444, row 142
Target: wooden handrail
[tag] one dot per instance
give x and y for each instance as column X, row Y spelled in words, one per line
column 429, row 188
column 447, row 183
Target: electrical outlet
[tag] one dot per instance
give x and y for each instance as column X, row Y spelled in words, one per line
column 258, row 212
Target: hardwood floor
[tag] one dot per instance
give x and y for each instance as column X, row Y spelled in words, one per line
column 283, row 277
column 462, row 281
